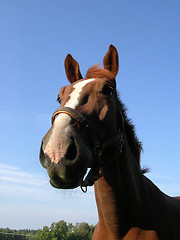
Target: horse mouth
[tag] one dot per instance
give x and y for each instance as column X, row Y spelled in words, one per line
column 68, row 174
column 67, row 180
column 66, row 185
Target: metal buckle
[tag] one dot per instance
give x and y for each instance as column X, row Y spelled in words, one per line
column 84, row 189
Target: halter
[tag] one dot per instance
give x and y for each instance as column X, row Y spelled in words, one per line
column 98, row 147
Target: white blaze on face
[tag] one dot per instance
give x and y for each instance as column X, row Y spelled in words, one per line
column 74, row 96
column 58, row 141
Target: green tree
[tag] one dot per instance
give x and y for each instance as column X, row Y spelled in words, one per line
column 91, row 227
column 83, row 231
column 59, row 230
column 44, row 234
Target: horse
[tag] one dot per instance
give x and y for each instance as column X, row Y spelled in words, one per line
column 91, row 130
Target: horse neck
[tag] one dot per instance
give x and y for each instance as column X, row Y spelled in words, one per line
column 126, row 198
column 125, row 176
column 119, row 194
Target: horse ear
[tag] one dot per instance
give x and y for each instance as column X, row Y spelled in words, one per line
column 111, row 60
column 72, row 69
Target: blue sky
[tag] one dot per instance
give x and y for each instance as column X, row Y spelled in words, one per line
column 35, row 37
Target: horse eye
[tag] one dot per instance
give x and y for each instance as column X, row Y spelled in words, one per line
column 84, row 100
column 107, row 91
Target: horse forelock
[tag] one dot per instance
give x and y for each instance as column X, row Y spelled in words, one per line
column 97, row 71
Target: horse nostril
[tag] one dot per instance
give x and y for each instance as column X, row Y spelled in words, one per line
column 44, row 158
column 71, row 151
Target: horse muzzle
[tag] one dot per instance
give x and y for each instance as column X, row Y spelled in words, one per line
column 68, row 173
column 65, row 156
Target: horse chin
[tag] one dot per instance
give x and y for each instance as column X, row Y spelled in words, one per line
column 66, row 185
column 67, row 176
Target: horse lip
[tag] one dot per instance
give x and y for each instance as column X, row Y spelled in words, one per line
column 63, row 185
column 53, row 184
column 60, row 184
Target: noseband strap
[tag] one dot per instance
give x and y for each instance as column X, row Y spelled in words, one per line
column 97, row 147
column 73, row 114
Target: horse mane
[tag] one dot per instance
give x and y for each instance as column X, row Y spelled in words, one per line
column 97, row 71
column 134, row 143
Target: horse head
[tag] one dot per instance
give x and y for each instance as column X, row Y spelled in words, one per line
column 85, row 125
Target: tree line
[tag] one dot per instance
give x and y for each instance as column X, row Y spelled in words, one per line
column 57, row 231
